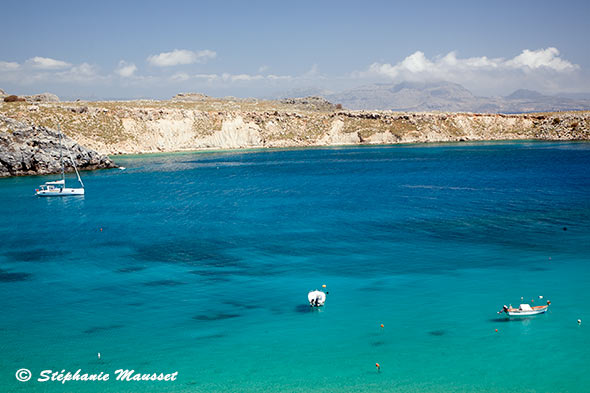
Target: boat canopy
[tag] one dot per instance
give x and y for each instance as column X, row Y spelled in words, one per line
column 525, row 307
column 57, row 182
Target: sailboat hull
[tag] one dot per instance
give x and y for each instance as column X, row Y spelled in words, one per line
column 58, row 192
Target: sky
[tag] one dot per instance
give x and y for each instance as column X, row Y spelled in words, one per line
column 155, row 49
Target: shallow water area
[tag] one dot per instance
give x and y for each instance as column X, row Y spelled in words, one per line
column 201, row 262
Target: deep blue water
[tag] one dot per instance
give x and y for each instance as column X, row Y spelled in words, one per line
column 204, row 262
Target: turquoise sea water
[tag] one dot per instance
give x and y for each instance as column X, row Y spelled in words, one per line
column 204, row 262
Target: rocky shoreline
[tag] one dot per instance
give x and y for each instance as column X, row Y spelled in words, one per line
column 197, row 122
column 35, row 150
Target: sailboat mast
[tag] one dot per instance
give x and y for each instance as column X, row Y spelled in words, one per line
column 75, row 168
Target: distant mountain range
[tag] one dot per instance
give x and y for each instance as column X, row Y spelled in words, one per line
column 445, row 96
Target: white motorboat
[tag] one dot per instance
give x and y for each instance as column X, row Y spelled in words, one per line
column 58, row 187
column 316, row 298
column 525, row 310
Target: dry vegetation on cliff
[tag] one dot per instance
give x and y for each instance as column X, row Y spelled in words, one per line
column 191, row 122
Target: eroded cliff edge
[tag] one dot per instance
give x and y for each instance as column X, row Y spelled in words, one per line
column 193, row 122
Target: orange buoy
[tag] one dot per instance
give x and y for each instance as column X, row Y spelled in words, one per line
column 324, row 285
column 496, row 330
column 378, row 366
column 382, row 325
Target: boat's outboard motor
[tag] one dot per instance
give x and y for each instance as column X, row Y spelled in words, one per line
column 504, row 309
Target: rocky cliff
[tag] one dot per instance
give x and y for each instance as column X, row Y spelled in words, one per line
column 193, row 122
column 35, row 150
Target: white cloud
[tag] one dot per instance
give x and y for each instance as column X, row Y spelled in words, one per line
column 126, row 70
column 229, row 78
column 541, row 69
column 279, row 77
column 47, row 63
column 180, row 77
column 9, row 66
column 206, row 76
column 180, row 56
column 449, row 66
column 82, row 73
column 263, row 68
column 542, row 58
column 240, row 77
column 42, row 70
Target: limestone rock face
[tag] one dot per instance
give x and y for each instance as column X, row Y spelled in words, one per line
column 32, row 150
column 148, row 126
column 337, row 136
column 235, row 134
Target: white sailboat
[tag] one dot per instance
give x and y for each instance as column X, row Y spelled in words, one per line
column 58, row 187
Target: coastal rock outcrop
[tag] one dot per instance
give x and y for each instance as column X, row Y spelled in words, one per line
column 190, row 97
column 43, row 97
column 201, row 122
column 311, row 103
column 35, row 150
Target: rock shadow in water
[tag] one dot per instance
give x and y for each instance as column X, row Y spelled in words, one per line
column 243, row 305
column 198, row 252
column 163, row 283
column 215, row 317
column 97, row 329
column 6, row 276
column 211, row 277
column 211, row 337
column 130, row 269
column 35, row 255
